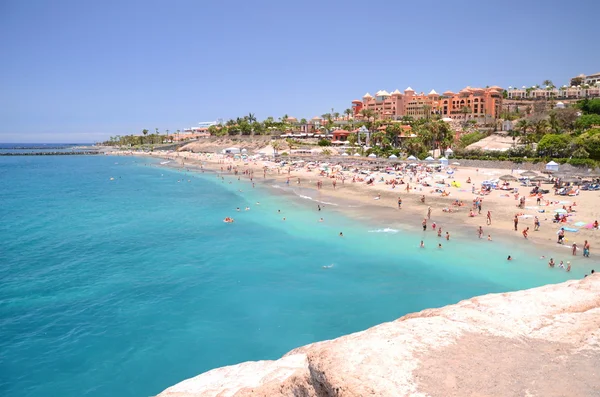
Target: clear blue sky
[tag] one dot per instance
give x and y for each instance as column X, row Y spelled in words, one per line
column 80, row 71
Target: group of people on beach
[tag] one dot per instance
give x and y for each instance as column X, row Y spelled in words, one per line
column 475, row 210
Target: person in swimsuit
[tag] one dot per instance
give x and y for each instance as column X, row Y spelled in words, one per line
column 561, row 235
column 551, row 262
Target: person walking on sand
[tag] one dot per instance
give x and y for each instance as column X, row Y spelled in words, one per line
column 561, row 235
column 536, row 224
column 488, row 218
column 516, row 221
column 334, row 183
column 399, row 203
column 526, row 232
column 429, row 212
column 424, row 223
column 574, row 249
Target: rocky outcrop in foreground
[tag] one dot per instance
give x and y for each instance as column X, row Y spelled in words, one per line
column 539, row 342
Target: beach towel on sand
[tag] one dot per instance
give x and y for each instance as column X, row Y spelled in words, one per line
column 568, row 229
column 580, row 224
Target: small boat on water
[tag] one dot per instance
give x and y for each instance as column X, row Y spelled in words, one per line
column 165, row 162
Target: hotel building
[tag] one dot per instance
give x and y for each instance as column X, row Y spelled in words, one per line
column 564, row 92
column 471, row 103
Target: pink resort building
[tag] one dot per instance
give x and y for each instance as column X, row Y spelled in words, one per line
column 471, row 103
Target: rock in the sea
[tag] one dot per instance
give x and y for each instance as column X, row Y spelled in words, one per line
column 539, row 342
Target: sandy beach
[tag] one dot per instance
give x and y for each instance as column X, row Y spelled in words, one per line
column 382, row 199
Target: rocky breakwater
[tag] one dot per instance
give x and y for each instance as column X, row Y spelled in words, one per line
column 539, row 342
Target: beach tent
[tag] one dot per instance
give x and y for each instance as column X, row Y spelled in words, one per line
column 356, row 155
column 443, row 161
column 552, row 166
column 372, row 155
column 393, row 156
column 412, row 158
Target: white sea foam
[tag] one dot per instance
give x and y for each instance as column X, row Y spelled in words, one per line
column 386, row 230
column 317, row 201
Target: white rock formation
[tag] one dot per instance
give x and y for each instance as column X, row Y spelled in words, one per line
column 539, row 342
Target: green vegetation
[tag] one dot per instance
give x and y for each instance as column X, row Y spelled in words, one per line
column 589, row 106
column 587, row 121
column 470, row 138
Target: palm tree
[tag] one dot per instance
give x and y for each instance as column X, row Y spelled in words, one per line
column 465, row 110
column 156, row 131
column 522, row 125
column 251, row 117
column 348, row 113
column 548, row 83
column 336, row 115
column 427, row 111
column 145, row 132
column 276, row 146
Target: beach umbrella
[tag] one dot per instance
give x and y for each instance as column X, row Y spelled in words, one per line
column 507, row 177
column 539, row 179
column 429, row 158
column 393, row 156
column 344, row 154
column 372, row 155
column 570, row 179
column 412, row 158
column 356, row 155
column 528, row 173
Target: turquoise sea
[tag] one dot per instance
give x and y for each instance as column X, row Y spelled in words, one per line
column 124, row 287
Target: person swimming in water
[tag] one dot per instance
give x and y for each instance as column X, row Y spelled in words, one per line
column 341, row 234
column 422, row 244
column 551, row 262
column 509, row 258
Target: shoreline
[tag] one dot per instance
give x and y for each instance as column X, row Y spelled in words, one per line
column 362, row 206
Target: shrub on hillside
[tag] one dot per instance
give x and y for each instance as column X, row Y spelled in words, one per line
column 470, row 138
